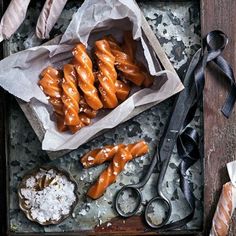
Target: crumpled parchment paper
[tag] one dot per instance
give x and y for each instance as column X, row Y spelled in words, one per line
column 19, row 73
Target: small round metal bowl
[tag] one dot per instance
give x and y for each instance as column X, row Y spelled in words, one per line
column 42, row 182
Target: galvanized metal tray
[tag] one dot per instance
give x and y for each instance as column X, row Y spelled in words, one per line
column 177, row 26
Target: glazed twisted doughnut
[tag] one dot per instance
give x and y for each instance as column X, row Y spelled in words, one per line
column 224, row 211
column 109, row 175
column 107, row 75
column 70, row 96
column 129, row 47
column 84, row 69
column 50, row 84
column 125, row 64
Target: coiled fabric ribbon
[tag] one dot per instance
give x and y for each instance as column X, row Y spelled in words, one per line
column 188, row 140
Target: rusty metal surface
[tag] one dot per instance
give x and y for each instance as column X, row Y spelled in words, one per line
column 177, row 27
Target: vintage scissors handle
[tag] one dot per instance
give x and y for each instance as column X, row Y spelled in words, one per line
column 136, row 190
column 161, row 202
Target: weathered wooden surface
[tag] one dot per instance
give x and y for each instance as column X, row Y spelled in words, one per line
column 220, row 133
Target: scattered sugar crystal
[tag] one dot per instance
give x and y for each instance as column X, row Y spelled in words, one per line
column 99, row 213
column 116, row 164
column 109, row 224
column 90, row 158
column 83, row 212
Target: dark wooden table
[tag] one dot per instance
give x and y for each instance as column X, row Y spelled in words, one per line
column 219, row 133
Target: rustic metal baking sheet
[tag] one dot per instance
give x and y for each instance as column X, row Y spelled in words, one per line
column 178, row 28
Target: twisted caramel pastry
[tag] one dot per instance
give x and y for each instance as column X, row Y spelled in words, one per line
column 125, row 64
column 84, row 69
column 70, row 96
column 122, row 90
column 50, row 84
column 100, row 155
column 117, row 164
column 149, row 79
column 86, row 109
column 85, row 115
column 107, row 75
column 224, row 211
column 138, row 149
column 129, row 47
column 108, row 176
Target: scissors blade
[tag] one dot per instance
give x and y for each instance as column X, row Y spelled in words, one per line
column 181, row 107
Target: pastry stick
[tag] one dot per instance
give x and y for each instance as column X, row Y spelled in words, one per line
column 125, row 64
column 84, row 69
column 226, row 205
column 122, row 90
column 108, row 176
column 117, row 164
column 70, row 96
column 13, row 18
column 129, row 47
column 50, row 84
column 107, row 75
column 70, row 99
column 48, row 17
column 100, row 155
column 86, row 109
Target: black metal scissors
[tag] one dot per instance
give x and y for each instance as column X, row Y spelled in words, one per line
column 162, row 156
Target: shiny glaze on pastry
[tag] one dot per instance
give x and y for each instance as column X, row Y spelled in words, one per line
column 106, row 75
column 122, row 90
column 84, row 69
column 70, row 96
column 122, row 155
column 125, row 64
column 100, row 155
column 50, row 84
column 129, row 47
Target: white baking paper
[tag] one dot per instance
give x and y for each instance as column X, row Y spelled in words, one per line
column 19, row 73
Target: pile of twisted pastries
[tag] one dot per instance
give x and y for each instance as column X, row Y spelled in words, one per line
column 83, row 87
column 118, row 156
